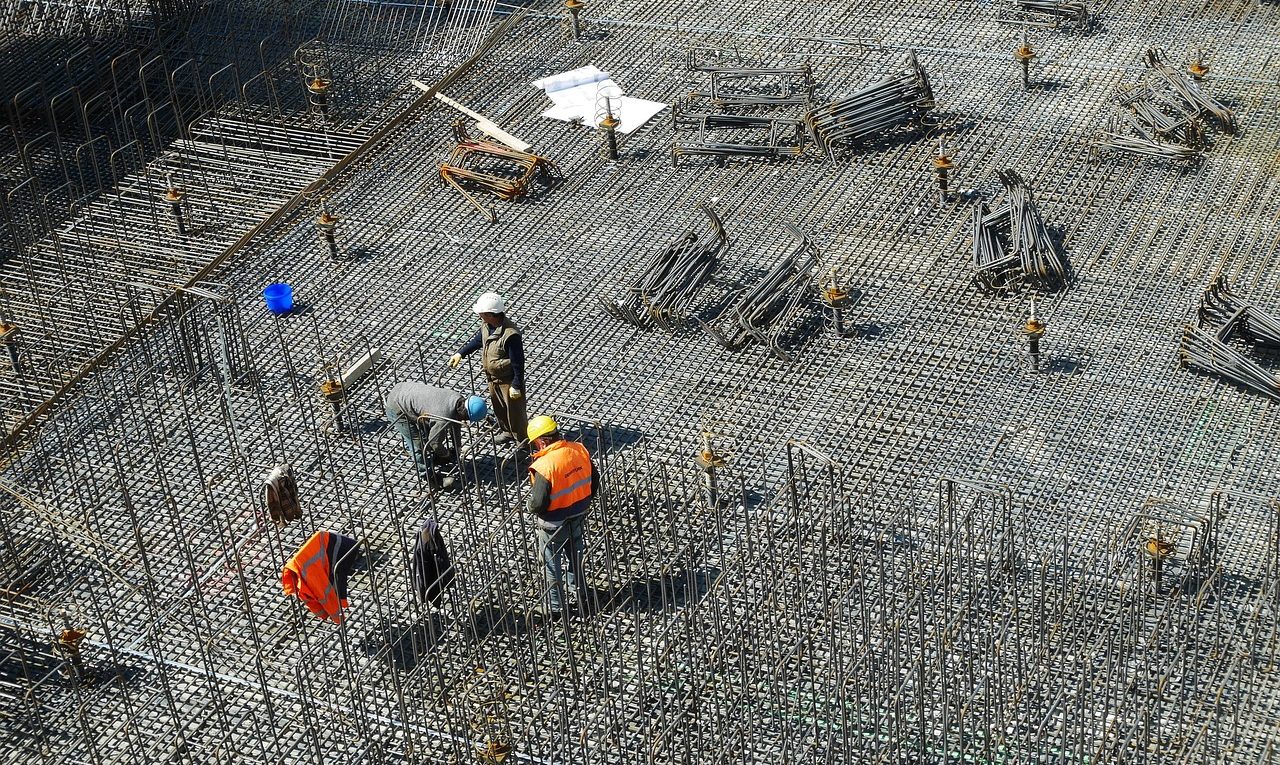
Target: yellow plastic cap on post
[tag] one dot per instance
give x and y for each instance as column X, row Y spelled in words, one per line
column 540, row 426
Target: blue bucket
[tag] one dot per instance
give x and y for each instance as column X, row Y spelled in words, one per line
column 279, row 297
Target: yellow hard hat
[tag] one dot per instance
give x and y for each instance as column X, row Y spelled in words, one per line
column 540, row 426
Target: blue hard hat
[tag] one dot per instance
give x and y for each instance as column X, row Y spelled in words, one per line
column 476, row 408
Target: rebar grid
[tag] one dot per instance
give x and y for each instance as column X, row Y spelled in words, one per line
column 823, row 609
column 146, row 176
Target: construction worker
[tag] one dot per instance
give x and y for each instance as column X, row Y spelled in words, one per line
column 563, row 482
column 502, row 359
column 425, row 416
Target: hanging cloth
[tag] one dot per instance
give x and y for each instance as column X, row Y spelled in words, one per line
column 280, row 492
column 430, row 567
column 317, row 573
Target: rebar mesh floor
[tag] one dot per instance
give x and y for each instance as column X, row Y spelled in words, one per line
column 918, row 549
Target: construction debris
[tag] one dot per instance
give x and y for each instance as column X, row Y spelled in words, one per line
column 772, row 129
column 896, row 103
column 483, row 123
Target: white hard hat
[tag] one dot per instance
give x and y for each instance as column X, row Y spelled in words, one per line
column 490, row 302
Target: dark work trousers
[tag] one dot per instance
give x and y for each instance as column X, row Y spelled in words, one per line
column 511, row 414
column 432, row 445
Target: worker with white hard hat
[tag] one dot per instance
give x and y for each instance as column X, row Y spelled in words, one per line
column 502, row 360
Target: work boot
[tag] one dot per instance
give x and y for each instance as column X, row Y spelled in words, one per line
column 503, row 438
column 449, row 482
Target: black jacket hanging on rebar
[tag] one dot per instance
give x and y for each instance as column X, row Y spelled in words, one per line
column 430, row 567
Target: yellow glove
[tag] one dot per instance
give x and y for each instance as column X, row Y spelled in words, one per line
column 516, row 394
column 455, row 360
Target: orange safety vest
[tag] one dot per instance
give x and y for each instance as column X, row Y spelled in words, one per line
column 309, row 575
column 567, row 467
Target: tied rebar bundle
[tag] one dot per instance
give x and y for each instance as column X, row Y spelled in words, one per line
column 763, row 312
column 757, row 86
column 1223, row 317
column 491, row 167
column 1160, row 76
column 723, row 132
column 1145, row 131
column 1144, row 147
column 1011, row 243
column 1162, row 116
column 900, row 101
column 667, row 285
column 1050, row 13
column 777, row 136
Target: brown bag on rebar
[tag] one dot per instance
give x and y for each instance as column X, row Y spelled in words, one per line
column 280, row 492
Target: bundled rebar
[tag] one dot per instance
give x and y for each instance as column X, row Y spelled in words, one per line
column 1224, row 316
column 900, row 101
column 764, row 311
column 671, row 279
column 1011, row 244
column 723, row 132
column 737, row 87
column 778, row 136
column 1209, row 351
column 1144, row 147
column 1141, row 129
column 1051, row 13
column 1182, row 88
column 1219, row 306
column 506, row 175
column 1163, row 116
column 993, row 265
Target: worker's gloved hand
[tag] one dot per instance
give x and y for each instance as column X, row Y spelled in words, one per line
column 455, row 360
column 516, row 394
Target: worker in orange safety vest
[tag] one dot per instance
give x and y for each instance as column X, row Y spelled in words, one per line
column 317, row 573
column 563, row 483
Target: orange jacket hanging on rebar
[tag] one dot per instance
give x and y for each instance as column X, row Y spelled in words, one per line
column 317, row 574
